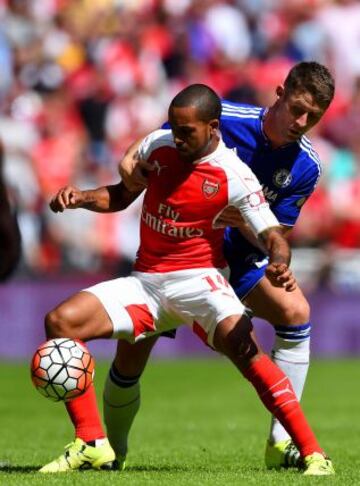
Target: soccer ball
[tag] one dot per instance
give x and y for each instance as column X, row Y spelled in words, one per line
column 62, row 369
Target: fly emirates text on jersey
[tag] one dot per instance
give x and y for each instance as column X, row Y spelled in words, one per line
column 158, row 224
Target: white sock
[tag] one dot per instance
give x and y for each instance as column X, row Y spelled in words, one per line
column 291, row 352
column 121, row 403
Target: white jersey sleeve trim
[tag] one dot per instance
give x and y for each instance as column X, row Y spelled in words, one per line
column 259, row 219
column 156, row 139
column 246, row 194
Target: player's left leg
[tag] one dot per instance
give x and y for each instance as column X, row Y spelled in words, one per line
column 209, row 304
column 289, row 313
column 234, row 337
column 121, row 396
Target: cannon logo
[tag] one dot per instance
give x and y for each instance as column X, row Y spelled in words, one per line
column 210, row 188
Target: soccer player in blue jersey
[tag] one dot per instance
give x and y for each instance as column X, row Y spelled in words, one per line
column 272, row 142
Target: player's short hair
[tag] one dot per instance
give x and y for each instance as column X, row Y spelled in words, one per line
column 314, row 78
column 206, row 101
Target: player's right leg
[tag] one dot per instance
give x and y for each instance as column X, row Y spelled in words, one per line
column 108, row 309
column 133, row 305
column 121, row 397
column 82, row 316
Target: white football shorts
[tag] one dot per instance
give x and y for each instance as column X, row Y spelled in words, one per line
column 145, row 304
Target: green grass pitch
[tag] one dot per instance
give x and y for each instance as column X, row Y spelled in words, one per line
column 200, row 424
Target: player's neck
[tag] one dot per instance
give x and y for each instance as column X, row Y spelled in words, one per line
column 275, row 139
column 210, row 147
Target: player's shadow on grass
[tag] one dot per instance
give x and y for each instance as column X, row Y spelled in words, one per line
column 163, row 468
column 180, row 469
column 8, row 468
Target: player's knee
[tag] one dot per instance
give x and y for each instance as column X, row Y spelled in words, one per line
column 128, row 366
column 294, row 312
column 246, row 351
column 240, row 348
column 58, row 323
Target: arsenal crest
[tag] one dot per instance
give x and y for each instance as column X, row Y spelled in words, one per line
column 210, row 189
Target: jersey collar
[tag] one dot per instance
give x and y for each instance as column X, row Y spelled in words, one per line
column 213, row 154
column 261, row 128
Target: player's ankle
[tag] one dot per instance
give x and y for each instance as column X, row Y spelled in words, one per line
column 96, row 442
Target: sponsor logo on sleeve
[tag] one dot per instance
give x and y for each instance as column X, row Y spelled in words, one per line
column 256, row 199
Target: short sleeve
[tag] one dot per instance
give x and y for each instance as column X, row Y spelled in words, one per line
column 151, row 142
column 246, row 194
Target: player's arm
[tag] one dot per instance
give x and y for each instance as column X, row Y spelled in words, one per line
column 276, row 245
column 231, row 216
column 279, row 252
column 106, row 199
column 248, row 197
column 273, row 241
column 246, row 231
column 268, row 232
column 285, row 230
column 133, row 169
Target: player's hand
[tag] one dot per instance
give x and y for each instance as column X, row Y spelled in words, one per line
column 280, row 275
column 133, row 172
column 68, row 197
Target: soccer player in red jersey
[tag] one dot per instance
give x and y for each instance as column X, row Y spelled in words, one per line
column 178, row 275
column 272, row 142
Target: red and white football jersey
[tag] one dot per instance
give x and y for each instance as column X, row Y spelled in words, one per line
column 183, row 201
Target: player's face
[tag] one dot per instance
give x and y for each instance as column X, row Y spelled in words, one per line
column 193, row 138
column 294, row 114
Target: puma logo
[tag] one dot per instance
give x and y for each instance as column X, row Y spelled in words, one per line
column 158, row 167
column 287, row 389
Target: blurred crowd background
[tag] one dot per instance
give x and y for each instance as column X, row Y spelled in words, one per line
column 81, row 79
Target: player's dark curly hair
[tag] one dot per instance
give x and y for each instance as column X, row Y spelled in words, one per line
column 201, row 96
column 314, row 78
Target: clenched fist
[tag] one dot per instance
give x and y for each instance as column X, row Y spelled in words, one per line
column 68, row 197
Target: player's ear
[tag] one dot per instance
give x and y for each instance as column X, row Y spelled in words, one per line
column 214, row 125
column 280, row 90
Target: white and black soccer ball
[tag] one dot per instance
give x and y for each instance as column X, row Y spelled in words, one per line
column 62, row 369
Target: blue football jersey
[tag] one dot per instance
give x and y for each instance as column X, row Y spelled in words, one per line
column 288, row 175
